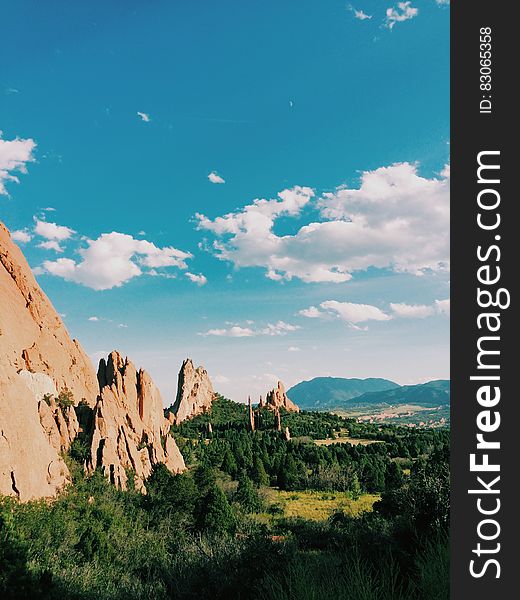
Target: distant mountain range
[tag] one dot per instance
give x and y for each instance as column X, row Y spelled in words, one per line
column 327, row 393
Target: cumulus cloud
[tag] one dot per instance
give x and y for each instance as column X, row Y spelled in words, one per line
column 293, row 349
column 198, row 279
column 352, row 313
column 312, row 312
column 51, row 245
column 412, row 311
column 215, row 178
column 403, row 12
column 278, row 328
column 144, row 116
column 95, row 319
column 52, row 231
column 359, row 14
column 395, row 219
column 113, row 259
column 21, row 235
column 14, row 156
column 235, row 331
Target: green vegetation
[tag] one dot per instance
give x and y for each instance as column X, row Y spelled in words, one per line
column 254, row 517
column 65, row 398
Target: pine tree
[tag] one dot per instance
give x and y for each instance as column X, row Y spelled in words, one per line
column 229, row 464
column 247, row 495
column 258, row 473
column 288, row 474
column 214, row 513
column 394, row 477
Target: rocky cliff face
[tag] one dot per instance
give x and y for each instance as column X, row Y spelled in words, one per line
column 37, row 357
column 47, row 382
column 277, row 398
column 130, row 431
column 194, row 392
column 33, row 337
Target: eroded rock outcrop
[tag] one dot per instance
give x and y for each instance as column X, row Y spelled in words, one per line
column 130, row 432
column 50, row 396
column 60, row 423
column 37, row 358
column 194, row 392
column 277, row 398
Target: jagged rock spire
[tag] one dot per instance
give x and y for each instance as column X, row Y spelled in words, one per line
column 129, row 430
column 194, row 392
column 278, row 398
column 278, row 419
column 251, row 415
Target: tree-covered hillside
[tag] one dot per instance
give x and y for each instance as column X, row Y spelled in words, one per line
column 323, row 393
column 341, row 509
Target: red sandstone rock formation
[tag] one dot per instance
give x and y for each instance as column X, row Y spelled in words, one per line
column 37, row 357
column 277, row 398
column 194, row 393
column 130, row 432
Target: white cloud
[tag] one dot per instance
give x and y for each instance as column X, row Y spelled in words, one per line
column 14, row 156
column 271, row 329
column 443, row 306
column 403, row 12
column 443, row 2
column 50, row 245
column 21, row 235
column 144, row 116
column 221, row 379
column 396, row 220
column 95, row 319
column 123, row 325
column 113, row 259
column 235, row 331
column 412, row 311
column 279, row 328
column 352, row 313
column 52, row 231
column 156, row 273
column 198, row 279
column 293, row 349
column 359, row 14
column 312, row 312
column 214, row 178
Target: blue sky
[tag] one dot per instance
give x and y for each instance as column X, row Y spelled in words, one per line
column 150, row 129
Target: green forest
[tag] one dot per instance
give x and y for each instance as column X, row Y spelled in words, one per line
column 336, row 509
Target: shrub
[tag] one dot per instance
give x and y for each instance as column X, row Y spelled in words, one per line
column 65, row 398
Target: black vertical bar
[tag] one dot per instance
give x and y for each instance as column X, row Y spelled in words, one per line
column 474, row 131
